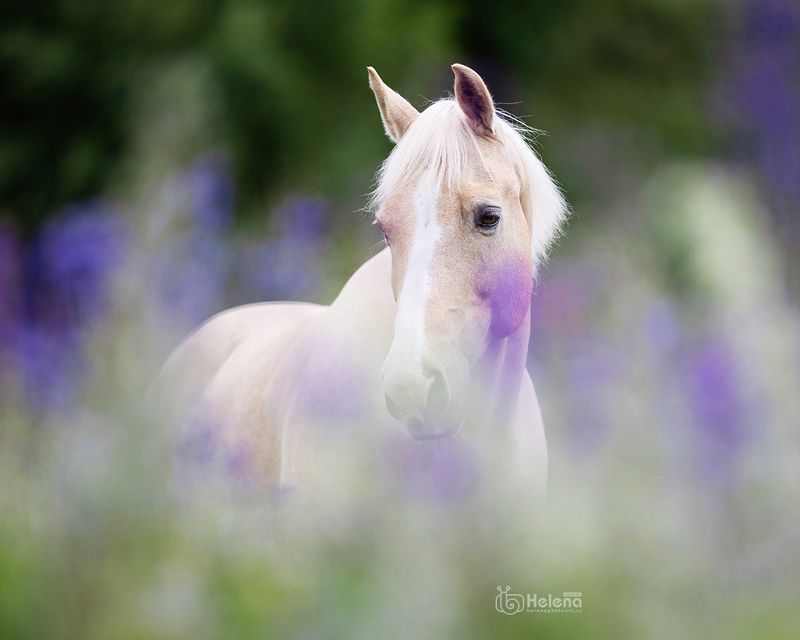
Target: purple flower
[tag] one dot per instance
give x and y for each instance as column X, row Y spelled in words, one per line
column 199, row 444
column 64, row 277
column 239, row 463
column 213, row 193
column 289, row 265
column 50, row 368
column 761, row 99
column 280, row 269
column 77, row 253
column 190, row 273
column 662, row 326
column 439, row 471
column 191, row 270
column 770, row 20
column 560, row 307
column 716, row 403
column 303, row 220
column 592, row 369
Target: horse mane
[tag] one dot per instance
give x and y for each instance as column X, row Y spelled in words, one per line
column 439, row 143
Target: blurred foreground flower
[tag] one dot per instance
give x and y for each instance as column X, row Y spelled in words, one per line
column 290, row 265
column 190, row 267
column 58, row 295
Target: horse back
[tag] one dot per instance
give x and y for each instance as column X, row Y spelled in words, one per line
column 226, row 371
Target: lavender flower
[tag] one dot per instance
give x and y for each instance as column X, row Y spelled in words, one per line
column 289, row 265
column 279, row 269
column 65, row 275
column 439, row 471
column 304, row 220
column 191, row 270
column 213, row 193
column 78, row 250
column 716, row 402
column 190, row 274
column 50, row 365
column 761, row 99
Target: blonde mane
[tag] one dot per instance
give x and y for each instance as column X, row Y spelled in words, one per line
column 439, row 143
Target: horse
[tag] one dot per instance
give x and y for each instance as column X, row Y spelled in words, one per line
column 427, row 341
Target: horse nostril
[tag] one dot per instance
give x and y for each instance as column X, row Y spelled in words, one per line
column 438, row 393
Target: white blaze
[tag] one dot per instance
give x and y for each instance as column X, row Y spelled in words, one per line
column 409, row 333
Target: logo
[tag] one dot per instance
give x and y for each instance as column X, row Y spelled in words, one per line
column 510, row 603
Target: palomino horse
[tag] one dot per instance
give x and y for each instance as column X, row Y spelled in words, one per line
column 427, row 340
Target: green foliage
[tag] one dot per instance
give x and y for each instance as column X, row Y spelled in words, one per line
column 294, row 109
column 643, row 63
column 290, row 75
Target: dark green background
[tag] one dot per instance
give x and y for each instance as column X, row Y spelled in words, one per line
column 288, row 84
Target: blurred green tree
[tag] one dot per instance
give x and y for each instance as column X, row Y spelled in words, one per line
column 290, row 82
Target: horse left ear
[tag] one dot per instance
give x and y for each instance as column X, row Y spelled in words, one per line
column 474, row 99
column 396, row 112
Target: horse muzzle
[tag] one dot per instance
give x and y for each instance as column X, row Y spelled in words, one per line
column 420, row 397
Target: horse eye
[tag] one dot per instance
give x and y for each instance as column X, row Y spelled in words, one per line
column 488, row 217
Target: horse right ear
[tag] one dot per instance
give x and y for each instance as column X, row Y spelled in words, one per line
column 396, row 112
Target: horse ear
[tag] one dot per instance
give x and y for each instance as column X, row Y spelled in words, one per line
column 474, row 99
column 396, row 112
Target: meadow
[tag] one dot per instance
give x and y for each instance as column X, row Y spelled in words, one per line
column 665, row 340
